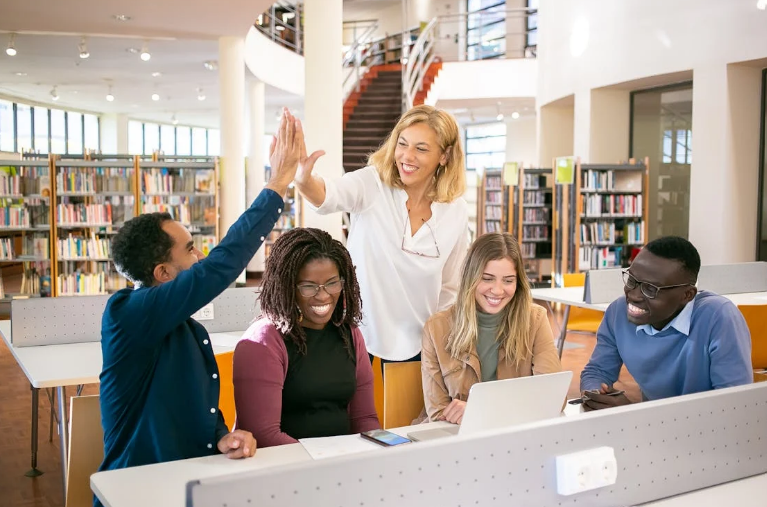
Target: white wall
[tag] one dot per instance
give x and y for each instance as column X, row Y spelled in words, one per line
column 589, row 44
column 274, row 64
column 113, row 132
column 555, row 133
column 521, row 141
column 489, row 79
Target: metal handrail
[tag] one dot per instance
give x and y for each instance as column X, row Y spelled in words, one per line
column 353, row 57
column 419, row 60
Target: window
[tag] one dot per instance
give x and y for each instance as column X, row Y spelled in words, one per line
column 58, row 132
column 23, row 127
column 41, row 130
column 486, row 29
column 168, row 139
column 214, row 143
column 199, row 142
column 183, row 141
column 485, row 146
column 135, row 138
column 7, row 127
column 74, row 133
column 91, row 134
column 151, row 138
column 532, row 28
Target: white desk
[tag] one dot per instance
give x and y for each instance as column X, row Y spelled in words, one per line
column 72, row 364
column 742, row 492
column 573, row 296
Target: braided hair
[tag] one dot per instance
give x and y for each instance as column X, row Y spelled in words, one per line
column 291, row 252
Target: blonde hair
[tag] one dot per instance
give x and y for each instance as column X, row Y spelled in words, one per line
column 450, row 179
column 514, row 330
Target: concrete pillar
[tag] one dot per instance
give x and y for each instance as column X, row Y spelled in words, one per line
column 255, row 177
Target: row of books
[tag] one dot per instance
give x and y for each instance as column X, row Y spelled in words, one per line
column 161, row 181
column 493, row 226
column 76, row 214
column 6, row 249
column 187, row 213
column 600, row 258
column 36, row 245
column 536, row 215
column 86, row 180
column 534, row 181
column 15, row 216
column 79, row 247
column 611, row 181
column 495, row 212
column 612, row 205
column 98, row 281
column 534, row 197
column 494, row 197
column 535, row 232
column 493, row 182
column 528, row 250
column 23, row 180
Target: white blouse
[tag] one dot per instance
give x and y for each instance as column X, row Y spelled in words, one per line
column 400, row 290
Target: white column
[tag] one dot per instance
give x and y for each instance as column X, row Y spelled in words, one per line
column 724, row 176
column 113, row 131
column 231, row 77
column 323, row 99
column 255, row 177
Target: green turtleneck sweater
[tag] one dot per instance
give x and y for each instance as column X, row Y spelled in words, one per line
column 487, row 346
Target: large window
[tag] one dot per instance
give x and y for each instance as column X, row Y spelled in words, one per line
column 147, row 138
column 486, row 29
column 485, row 146
column 26, row 128
column 661, row 129
column 531, row 46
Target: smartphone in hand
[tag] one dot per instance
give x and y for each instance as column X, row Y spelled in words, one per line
column 385, row 438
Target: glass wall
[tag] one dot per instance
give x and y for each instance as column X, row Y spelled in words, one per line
column 32, row 128
column 146, row 138
column 485, row 146
column 486, row 29
column 661, row 129
column 761, row 243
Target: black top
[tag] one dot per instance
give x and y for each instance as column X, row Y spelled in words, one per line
column 319, row 386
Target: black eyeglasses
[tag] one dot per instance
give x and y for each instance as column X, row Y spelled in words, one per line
column 649, row 290
column 309, row 290
column 436, row 246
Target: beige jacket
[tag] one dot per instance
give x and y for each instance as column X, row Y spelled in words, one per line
column 446, row 378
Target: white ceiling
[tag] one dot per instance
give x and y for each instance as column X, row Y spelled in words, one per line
column 469, row 111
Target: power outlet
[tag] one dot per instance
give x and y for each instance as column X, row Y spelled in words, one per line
column 204, row 313
column 586, row 470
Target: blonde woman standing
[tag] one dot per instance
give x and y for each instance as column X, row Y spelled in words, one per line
column 493, row 332
column 409, row 227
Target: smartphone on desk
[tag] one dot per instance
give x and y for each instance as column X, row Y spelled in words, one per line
column 385, row 438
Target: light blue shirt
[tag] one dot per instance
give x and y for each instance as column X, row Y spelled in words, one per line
column 681, row 322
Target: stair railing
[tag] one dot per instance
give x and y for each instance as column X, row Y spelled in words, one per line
column 355, row 55
column 419, row 59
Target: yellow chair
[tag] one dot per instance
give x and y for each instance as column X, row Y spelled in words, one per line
column 403, row 394
column 581, row 319
column 756, row 319
column 226, row 396
column 86, row 449
column 378, row 389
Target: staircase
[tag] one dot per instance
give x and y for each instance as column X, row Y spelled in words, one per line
column 371, row 113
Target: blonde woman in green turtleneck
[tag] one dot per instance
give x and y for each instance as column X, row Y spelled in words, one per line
column 493, row 332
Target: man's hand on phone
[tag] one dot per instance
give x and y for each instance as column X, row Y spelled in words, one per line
column 605, row 397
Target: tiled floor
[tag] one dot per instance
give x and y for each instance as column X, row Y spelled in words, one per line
column 16, row 490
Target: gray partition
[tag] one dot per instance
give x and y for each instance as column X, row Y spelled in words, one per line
column 662, row 448
column 603, row 286
column 734, row 278
column 56, row 321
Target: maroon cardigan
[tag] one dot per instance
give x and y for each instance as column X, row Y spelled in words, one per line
column 259, row 370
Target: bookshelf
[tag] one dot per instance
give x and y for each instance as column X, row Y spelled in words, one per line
column 92, row 198
column 388, row 49
column 188, row 191
column 493, row 203
column 25, row 228
column 533, row 222
column 601, row 219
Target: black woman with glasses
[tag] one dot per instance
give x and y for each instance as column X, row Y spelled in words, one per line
column 673, row 338
column 302, row 369
column 409, row 227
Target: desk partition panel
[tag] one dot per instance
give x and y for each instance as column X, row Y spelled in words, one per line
column 61, row 320
column 662, row 448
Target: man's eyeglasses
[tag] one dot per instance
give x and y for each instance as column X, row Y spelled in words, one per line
column 309, row 290
column 649, row 290
column 436, row 247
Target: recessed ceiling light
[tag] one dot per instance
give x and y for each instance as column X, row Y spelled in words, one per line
column 110, row 97
column 11, row 50
column 156, row 74
column 210, row 64
column 514, row 115
column 155, row 97
column 761, row 4
column 145, row 54
column 121, row 17
column 200, row 94
column 21, row 73
column 83, row 48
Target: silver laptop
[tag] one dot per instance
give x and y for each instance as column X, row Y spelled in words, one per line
column 504, row 403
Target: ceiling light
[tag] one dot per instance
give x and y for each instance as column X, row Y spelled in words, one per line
column 155, row 97
column 110, row 97
column 173, row 120
column 279, row 28
column 200, row 94
column 121, row 17
column 21, row 73
column 210, row 64
column 156, row 74
column 83, row 47
column 514, row 115
column 761, row 4
column 11, row 50
column 145, row 55
column 54, row 94
column 499, row 117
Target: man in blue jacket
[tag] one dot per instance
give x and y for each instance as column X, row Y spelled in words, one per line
column 159, row 384
column 673, row 339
